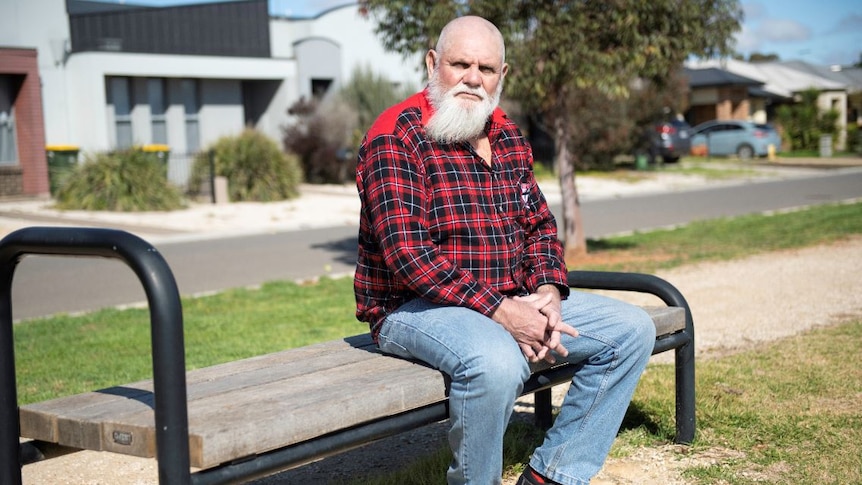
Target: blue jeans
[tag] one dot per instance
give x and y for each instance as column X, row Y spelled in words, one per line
column 488, row 372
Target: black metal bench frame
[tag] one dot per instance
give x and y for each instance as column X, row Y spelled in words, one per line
column 168, row 356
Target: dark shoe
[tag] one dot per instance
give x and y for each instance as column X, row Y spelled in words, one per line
column 530, row 477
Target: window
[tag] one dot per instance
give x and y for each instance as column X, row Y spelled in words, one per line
column 119, row 95
column 8, row 150
column 8, row 136
column 158, row 122
column 189, row 93
column 319, row 88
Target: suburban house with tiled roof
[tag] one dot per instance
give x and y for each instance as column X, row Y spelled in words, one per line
column 752, row 90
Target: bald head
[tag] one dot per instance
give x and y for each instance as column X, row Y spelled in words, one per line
column 471, row 27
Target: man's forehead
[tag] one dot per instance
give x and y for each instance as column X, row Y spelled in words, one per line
column 472, row 50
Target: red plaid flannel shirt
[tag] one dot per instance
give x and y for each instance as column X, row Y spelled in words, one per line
column 437, row 223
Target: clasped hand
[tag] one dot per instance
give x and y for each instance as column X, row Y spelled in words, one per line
column 536, row 324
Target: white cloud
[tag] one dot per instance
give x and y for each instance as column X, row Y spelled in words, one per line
column 851, row 23
column 747, row 40
column 782, row 30
column 754, row 11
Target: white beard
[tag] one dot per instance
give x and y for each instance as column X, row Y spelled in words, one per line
column 456, row 120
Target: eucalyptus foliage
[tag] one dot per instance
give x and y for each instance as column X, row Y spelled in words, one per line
column 565, row 53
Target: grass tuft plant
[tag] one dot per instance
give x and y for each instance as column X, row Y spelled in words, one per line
column 124, row 181
column 255, row 168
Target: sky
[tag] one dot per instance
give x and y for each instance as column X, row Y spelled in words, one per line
column 823, row 32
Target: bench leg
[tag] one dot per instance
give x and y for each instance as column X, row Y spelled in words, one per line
column 685, row 398
column 544, row 408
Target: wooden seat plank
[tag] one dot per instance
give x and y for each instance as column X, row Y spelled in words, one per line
column 258, row 418
column 76, row 420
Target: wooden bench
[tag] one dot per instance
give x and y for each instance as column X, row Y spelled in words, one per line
column 249, row 418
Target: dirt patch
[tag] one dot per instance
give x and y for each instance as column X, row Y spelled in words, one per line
column 619, row 258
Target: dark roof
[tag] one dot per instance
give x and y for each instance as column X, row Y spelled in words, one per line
column 75, row 7
column 701, row 78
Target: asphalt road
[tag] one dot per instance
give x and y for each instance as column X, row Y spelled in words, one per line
column 46, row 285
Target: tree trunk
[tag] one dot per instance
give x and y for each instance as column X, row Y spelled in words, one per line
column 574, row 237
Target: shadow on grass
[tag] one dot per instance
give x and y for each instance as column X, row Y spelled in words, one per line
column 637, row 418
column 596, row 245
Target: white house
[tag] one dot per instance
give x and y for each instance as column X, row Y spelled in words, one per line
column 113, row 76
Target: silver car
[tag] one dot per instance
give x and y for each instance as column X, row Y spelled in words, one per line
column 745, row 139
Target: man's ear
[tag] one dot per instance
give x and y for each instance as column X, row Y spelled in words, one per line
column 430, row 60
column 505, row 69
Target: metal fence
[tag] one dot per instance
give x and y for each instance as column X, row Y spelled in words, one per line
column 180, row 168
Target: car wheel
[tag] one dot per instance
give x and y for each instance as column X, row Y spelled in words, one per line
column 745, row 152
column 670, row 159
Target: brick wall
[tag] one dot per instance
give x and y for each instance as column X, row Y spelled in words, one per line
column 31, row 175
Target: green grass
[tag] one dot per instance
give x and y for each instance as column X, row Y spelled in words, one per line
column 66, row 355
column 792, row 407
column 725, row 239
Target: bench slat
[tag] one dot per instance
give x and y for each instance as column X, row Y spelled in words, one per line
column 242, row 408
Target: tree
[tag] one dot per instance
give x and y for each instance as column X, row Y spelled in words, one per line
column 564, row 53
column 755, row 57
column 368, row 94
column 804, row 122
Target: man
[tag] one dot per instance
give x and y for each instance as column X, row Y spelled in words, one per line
column 459, row 266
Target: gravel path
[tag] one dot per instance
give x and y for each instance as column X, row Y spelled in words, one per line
column 735, row 305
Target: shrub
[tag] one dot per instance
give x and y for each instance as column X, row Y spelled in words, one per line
column 854, row 139
column 125, row 181
column 327, row 132
column 320, row 138
column 804, row 122
column 255, row 168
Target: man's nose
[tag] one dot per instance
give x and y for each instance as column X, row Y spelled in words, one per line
column 472, row 77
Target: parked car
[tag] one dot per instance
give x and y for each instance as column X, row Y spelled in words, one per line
column 672, row 140
column 745, row 139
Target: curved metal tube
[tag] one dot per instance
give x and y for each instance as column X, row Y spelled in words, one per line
column 683, row 342
column 166, row 322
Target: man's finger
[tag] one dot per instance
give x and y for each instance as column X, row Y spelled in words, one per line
column 528, row 352
column 553, row 340
column 567, row 329
column 538, row 300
